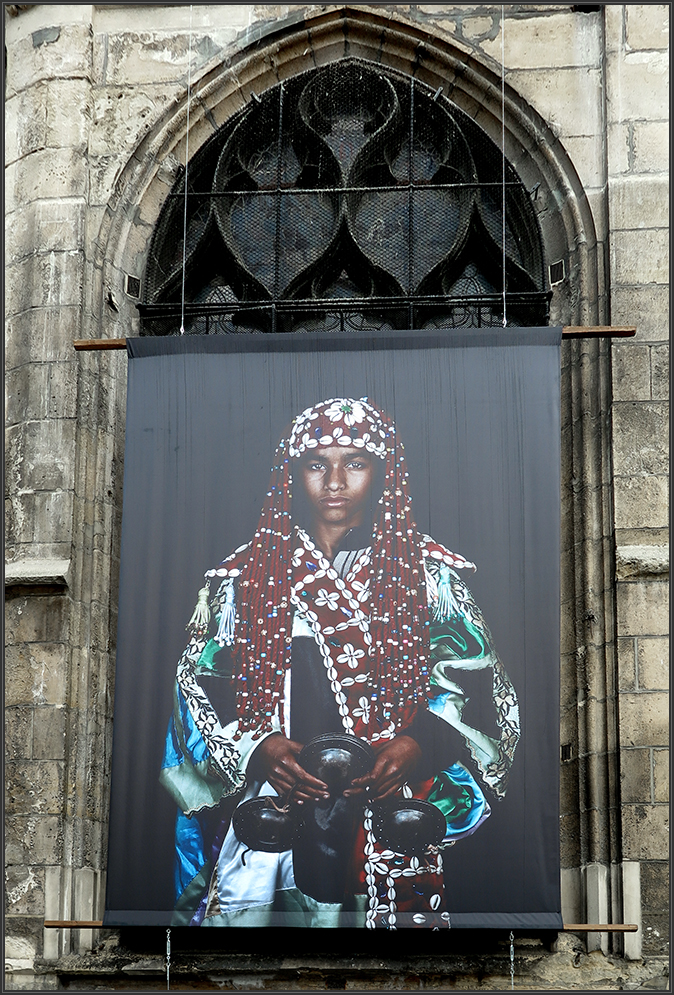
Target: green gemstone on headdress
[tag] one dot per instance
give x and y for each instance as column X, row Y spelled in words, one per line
column 347, row 409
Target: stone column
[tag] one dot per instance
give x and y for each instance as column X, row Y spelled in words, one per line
column 48, row 109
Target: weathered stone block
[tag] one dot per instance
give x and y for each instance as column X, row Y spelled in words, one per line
column 637, row 81
column 568, row 99
column 647, row 307
column 655, row 887
column 10, row 188
column 640, row 256
column 43, row 619
column 660, row 372
column 46, row 280
column 635, row 776
column 24, row 890
column 642, row 608
column 18, row 733
column 651, row 146
column 645, row 832
column 655, row 929
column 626, row 663
column 26, row 393
column 33, row 839
column 68, row 114
column 641, row 502
column 631, row 372
column 49, row 733
column 51, row 173
column 34, row 788
column 661, row 775
column 475, row 28
column 43, row 225
column 62, row 392
column 587, row 156
column 103, row 173
column 25, row 123
column 157, row 56
column 557, row 41
column 639, row 202
column 123, row 116
column 41, row 336
column 653, row 663
column 647, row 25
column 643, row 719
column 35, row 674
column 640, row 437
column 69, row 56
column 47, row 454
column 619, row 148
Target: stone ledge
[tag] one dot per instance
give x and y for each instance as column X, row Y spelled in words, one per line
column 641, row 561
column 37, row 573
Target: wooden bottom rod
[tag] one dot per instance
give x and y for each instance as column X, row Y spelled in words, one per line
column 607, row 927
column 568, row 332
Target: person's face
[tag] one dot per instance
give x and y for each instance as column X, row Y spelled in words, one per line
column 337, row 481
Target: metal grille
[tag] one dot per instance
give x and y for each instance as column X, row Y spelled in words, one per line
column 345, row 198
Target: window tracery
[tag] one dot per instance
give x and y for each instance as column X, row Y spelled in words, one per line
column 346, row 197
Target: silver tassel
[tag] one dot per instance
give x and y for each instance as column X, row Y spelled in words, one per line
column 446, row 607
column 225, row 633
column 201, row 615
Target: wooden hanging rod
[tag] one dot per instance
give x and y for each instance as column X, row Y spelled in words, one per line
column 607, row 927
column 568, row 332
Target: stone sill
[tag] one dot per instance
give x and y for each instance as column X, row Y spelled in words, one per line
column 37, row 573
column 642, row 561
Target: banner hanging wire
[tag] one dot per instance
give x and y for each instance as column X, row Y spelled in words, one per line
column 503, row 163
column 187, row 159
column 168, row 960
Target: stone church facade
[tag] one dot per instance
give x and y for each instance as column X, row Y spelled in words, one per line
column 97, row 132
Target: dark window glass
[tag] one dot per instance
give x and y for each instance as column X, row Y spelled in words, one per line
column 345, row 198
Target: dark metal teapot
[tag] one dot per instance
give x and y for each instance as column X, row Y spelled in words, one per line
column 408, row 825
column 267, row 824
column 337, row 759
column 264, row 824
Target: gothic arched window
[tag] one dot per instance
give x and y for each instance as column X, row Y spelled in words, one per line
column 346, row 197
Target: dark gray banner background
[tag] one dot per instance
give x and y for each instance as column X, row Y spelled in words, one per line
column 478, row 414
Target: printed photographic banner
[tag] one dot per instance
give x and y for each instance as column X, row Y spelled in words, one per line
column 478, row 415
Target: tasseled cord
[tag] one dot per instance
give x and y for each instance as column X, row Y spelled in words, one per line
column 201, row 616
column 225, row 633
column 446, row 607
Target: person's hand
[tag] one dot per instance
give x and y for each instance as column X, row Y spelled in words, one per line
column 275, row 760
column 394, row 765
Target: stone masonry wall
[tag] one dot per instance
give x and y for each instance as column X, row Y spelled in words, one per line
column 637, row 104
column 91, row 91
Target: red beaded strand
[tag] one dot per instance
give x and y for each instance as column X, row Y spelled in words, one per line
column 398, row 627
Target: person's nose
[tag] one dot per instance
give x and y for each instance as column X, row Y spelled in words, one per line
column 335, row 478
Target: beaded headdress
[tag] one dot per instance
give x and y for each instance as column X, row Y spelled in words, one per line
column 399, row 646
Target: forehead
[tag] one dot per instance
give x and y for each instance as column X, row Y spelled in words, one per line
column 334, row 454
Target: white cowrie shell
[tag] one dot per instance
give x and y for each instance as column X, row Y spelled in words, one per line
column 435, row 902
column 418, row 918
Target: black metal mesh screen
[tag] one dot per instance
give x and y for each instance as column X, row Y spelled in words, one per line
column 345, row 198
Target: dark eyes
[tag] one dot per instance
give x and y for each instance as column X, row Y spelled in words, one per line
column 353, row 465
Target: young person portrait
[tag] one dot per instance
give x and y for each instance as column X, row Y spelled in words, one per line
column 339, row 617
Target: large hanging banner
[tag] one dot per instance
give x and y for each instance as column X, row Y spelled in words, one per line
column 337, row 686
